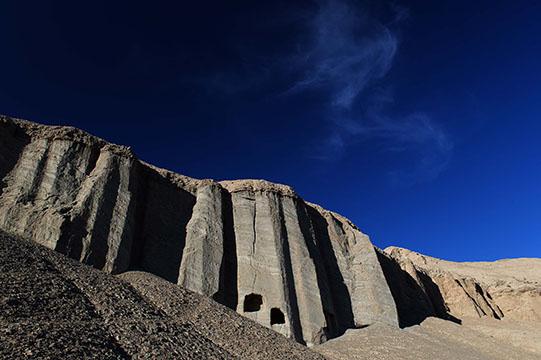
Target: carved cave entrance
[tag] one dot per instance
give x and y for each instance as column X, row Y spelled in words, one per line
column 252, row 302
column 277, row 316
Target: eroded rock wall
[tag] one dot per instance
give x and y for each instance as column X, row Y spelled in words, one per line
column 255, row 246
column 428, row 286
column 252, row 245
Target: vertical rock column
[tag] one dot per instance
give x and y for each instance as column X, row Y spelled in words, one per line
column 42, row 187
column 166, row 210
column 307, row 291
column 100, row 230
column 371, row 298
column 262, row 272
column 16, row 208
column 413, row 304
column 203, row 253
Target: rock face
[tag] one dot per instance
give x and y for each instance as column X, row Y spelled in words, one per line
column 254, row 246
column 494, row 310
column 424, row 285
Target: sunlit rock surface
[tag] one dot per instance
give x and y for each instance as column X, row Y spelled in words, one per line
column 252, row 245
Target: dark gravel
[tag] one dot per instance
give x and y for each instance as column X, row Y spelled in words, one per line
column 52, row 307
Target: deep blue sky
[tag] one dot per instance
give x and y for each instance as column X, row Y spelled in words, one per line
column 418, row 120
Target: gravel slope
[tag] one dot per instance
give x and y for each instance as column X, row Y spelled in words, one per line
column 54, row 308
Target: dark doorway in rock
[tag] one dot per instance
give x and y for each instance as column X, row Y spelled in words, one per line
column 277, row 316
column 252, row 302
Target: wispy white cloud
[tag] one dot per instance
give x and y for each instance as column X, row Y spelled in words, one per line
column 350, row 52
column 344, row 57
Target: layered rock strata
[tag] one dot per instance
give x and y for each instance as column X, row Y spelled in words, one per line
column 254, row 246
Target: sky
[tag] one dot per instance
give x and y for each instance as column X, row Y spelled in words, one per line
column 418, row 120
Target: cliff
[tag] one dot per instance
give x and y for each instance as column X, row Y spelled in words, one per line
column 508, row 288
column 254, row 246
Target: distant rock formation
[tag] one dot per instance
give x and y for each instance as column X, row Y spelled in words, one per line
column 510, row 288
column 252, row 245
column 497, row 306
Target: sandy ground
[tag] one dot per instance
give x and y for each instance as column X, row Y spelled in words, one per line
column 475, row 339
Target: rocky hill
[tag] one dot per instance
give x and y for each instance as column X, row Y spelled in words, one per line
column 253, row 246
column 52, row 307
